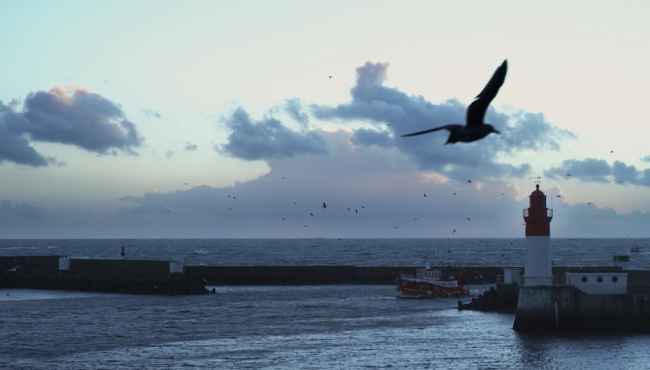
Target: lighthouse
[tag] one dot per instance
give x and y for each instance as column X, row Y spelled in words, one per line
column 537, row 269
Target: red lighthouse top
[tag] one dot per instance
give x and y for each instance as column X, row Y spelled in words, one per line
column 537, row 215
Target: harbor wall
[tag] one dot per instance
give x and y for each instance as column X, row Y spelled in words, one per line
column 567, row 309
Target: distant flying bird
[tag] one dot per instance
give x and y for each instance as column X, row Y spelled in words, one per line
column 502, row 194
column 294, row 203
column 312, row 215
column 330, row 76
column 467, row 218
column 475, row 128
column 282, row 218
column 283, row 178
column 568, row 174
column 589, row 203
column 230, row 209
column 612, row 151
column 228, row 196
column 184, row 183
column 168, row 211
column 454, row 232
column 454, row 193
column 234, row 197
column 559, row 196
column 620, row 182
column 356, row 211
column 425, row 195
column 305, row 225
column 324, row 205
column 470, row 181
column 348, row 209
column 395, row 227
column 416, row 219
column 384, row 215
column 363, row 207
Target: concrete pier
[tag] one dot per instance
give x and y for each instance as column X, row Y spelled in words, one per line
column 568, row 309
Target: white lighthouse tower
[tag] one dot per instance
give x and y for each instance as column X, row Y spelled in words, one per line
column 537, row 270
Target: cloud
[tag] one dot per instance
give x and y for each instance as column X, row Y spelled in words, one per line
column 598, row 170
column 350, row 177
column 21, row 210
column 586, row 170
column 169, row 153
column 190, row 147
column 367, row 137
column 646, row 159
column 293, row 107
column 73, row 116
column 151, row 113
column 267, row 139
column 372, row 102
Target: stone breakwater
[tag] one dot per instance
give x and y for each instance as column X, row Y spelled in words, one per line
column 493, row 300
column 167, row 285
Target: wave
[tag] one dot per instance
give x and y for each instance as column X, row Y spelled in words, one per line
column 19, row 248
column 201, row 251
column 52, row 247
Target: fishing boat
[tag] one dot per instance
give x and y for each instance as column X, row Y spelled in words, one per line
column 432, row 283
column 635, row 248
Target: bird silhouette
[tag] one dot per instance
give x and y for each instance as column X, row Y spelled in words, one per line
column 467, row 218
column 168, row 211
column 234, row 197
column 294, row 203
column 228, row 196
column 356, row 211
column 475, row 128
column 469, row 181
column 282, row 218
column 416, row 219
column 454, row 193
column 230, row 209
column 363, row 207
column 425, row 195
column 384, row 215
column 454, row 232
column 612, row 151
column 330, row 76
column 559, row 196
column 568, row 174
column 395, row 227
column 589, row 203
column 348, row 209
column 502, row 194
column 324, row 205
column 283, row 178
column 184, row 183
column 312, row 215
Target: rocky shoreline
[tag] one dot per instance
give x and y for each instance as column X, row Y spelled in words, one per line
column 166, row 285
column 493, row 300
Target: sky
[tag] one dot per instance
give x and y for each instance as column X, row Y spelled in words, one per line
column 169, row 119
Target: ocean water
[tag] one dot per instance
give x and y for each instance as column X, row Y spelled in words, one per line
column 294, row 327
column 358, row 252
column 297, row 327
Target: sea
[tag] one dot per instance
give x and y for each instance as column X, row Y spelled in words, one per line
column 298, row 327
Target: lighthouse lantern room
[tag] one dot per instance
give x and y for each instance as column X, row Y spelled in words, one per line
column 537, row 269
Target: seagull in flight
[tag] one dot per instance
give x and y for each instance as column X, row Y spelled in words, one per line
column 294, row 203
column 363, row 207
column 559, row 196
column 467, row 218
column 331, row 76
column 454, row 232
column 475, row 128
column 425, row 195
column 312, row 215
column 454, row 193
column 469, row 181
column 589, row 203
column 324, row 205
column 356, row 211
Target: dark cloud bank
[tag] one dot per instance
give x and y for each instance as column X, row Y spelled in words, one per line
column 83, row 119
column 598, row 170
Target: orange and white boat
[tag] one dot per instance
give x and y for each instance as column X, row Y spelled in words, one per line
column 433, row 283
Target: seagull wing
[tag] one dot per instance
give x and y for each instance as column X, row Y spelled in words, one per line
column 446, row 127
column 476, row 110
